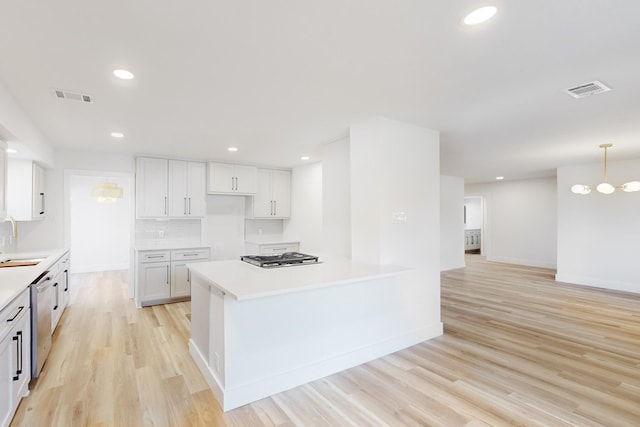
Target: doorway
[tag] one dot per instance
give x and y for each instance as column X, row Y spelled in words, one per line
column 474, row 225
column 98, row 234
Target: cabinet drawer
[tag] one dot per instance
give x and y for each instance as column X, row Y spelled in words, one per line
column 11, row 314
column 278, row 249
column 156, row 256
column 190, row 254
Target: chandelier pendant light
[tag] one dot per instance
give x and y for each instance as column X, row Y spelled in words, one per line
column 604, row 187
column 107, row 192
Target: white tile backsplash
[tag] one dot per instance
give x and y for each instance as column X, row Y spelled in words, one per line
column 167, row 232
column 263, row 229
column 7, row 241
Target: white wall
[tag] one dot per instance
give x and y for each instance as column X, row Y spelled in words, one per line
column 100, row 232
column 599, row 235
column 20, row 132
column 336, row 199
column 395, row 169
column 451, row 222
column 305, row 224
column 521, row 221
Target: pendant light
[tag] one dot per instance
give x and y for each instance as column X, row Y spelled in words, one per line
column 107, row 192
column 604, row 187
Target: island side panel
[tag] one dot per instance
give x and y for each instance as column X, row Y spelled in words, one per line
column 279, row 342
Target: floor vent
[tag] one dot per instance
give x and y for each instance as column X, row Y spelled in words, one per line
column 73, row 96
column 587, row 89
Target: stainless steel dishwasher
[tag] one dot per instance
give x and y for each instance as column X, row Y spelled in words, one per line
column 41, row 305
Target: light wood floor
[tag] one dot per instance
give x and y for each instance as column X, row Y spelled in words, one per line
column 518, row 349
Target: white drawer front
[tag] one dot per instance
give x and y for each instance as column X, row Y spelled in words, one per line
column 190, row 254
column 10, row 315
column 156, row 256
column 278, row 249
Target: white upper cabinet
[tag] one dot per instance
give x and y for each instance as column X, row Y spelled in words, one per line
column 225, row 178
column 26, row 195
column 3, row 179
column 169, row 188
column 152, row 177
column 186, row 189
column 273, row 195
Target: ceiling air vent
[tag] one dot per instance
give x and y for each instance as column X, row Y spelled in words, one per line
column 73, row 96
column 587, row 89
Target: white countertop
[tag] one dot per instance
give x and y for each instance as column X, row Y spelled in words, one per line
column 244, row 281
column 13, row 280
column 167, row 245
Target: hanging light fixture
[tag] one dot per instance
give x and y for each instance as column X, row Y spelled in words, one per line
column 107, row 192
column 604, row 187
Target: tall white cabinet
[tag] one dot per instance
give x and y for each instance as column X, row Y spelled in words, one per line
column 26, row 194
column 170, row 188
column 273, row 195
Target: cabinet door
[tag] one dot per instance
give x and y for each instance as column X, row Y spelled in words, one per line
column 6, row 378
column 246, row 179
column 38, row 203
column 196, row 189
column 281, row 193
column 177, row 188
column 180, row 280
column 3, row 180
column 262, row 201
column 221, row 178
column 21, row 366
column 154, row 278
column 151, row 187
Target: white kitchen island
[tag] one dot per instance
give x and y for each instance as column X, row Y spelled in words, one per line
column 256, row 332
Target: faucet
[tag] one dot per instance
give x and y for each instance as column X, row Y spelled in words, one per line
column 15, row 226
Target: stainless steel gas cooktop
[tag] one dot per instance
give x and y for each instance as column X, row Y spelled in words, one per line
column 286, row 259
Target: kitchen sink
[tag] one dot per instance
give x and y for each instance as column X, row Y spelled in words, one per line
column 20, row 262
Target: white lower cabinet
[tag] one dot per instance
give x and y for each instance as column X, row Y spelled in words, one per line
column 15, row 355
column 253, row 248
column 163, row 276
column 60, row 273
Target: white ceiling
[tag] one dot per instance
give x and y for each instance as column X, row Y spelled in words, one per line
column 280, row 78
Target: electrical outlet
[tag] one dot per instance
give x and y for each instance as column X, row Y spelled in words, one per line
column 398, row 217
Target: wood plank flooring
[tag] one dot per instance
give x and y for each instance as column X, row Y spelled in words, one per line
column 518, row 349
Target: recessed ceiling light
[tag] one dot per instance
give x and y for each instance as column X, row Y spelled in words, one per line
column 305, row 158
column 232, row 149
column 11, row 150
column 123, row 74
column 499, row 178
column 480, row 15
column 117, row 135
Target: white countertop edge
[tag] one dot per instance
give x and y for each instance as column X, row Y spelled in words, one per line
column 196, row 269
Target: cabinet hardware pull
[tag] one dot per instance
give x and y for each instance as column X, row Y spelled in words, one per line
column 167, row 274
column 155, row 256
column 66, row 280
column 16, row 315
column 185, row 206
column 42, row 195
column 189, row 205
column 165, row 205
column 15, row 338
column 19, row 354
column 232, row 184
column 194, row 254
